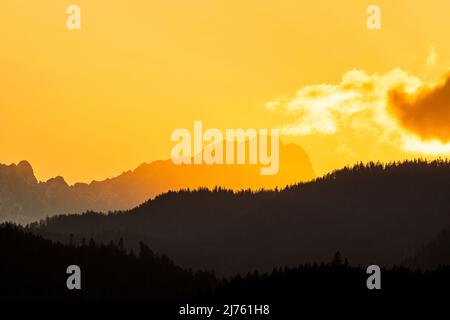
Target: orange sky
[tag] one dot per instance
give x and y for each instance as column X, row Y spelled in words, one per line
column 92, row 103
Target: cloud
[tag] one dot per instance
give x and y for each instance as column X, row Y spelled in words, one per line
column 359, row 100
column 432, row 58
column 272, row 105
column 394, row 108
column 425, row 112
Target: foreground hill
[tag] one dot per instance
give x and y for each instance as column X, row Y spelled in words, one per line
column 434, row 254
column 34, row 269
column 373, row 214
column 23, row 199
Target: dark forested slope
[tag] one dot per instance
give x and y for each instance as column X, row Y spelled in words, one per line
column 372, row 213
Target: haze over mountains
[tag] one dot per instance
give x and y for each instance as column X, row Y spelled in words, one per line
column 23, row 199
column 373, row 214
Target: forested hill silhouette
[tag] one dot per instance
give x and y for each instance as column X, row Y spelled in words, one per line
column 34, row 270
column 23, row 199
column 373, row 213
column 432, row 255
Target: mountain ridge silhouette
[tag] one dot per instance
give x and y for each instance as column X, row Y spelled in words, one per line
column 24, row 199
column 373, row 213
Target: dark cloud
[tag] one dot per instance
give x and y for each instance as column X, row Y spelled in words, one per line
column 425, row 113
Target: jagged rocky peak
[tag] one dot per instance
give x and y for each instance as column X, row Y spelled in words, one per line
column 57, row 181
column 24, row 165
column 25, row 170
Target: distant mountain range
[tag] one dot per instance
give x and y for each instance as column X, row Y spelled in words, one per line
column 24, row 199
column 373, row 214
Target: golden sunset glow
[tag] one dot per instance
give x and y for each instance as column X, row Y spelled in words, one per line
column 91, row 103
